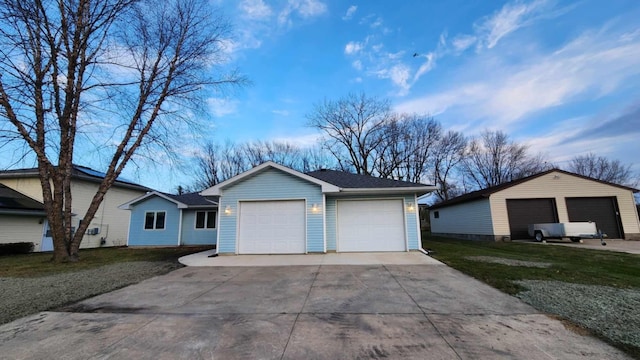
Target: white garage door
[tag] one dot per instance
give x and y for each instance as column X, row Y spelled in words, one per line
column 271, row 227
column 371, row 225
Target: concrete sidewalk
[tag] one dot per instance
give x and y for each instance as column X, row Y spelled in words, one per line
column 301, row 312
column 379, row 258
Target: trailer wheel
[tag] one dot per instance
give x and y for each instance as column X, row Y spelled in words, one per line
column 575, row 239
column 538, row 235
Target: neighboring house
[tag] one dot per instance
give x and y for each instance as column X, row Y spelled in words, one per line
column 109, row 225
column 22, row 219
column 159, row 219
column 272, row 209
column 503, row 212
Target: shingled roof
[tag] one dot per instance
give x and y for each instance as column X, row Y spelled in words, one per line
column 485, row 193
column 12, row 201
column 195, row 199
column 78, row 172
column 355, row 181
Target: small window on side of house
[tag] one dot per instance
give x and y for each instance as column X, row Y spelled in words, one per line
column 436, row 214
column 154, row 220
column 205, row 219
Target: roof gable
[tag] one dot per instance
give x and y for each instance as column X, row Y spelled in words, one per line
column 487, row 192
column 217, row 189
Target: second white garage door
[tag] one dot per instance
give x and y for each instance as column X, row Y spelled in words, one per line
column 371, row 225
column 271, row 227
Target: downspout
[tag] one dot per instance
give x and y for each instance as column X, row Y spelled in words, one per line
column 324, row 222
column 415, row 201
column 180, row 229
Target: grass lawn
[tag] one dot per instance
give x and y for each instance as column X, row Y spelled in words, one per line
column 40, row 264
column 565, row 264
column 573, row 265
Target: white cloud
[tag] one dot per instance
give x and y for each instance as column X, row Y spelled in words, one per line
column 591, row 66
column 353, row 47
column 350, row 11
column 221, row 107
column 399, row 75
column 377, row 23
column 357, row 64
column 255, row 9
column 304, row 8
column 281, row 112
column 508, row 19
column 426, row 66
column 463, row 42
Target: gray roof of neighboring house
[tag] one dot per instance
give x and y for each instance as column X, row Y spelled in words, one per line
column 195, row 199
column 485, row 193
column 12, row 201
column 78, row 172
column 355, row 181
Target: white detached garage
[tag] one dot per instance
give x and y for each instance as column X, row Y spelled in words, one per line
column 503, row 212
column 272, row 209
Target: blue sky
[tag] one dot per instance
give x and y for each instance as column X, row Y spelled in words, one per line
column 563, row 77
column 560, row 76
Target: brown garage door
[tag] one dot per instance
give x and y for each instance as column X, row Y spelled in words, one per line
column 602, row 210
column 523, row 212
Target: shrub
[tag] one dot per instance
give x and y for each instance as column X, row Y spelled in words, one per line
column 16, row 248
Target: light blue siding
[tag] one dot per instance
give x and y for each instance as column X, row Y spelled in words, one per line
column 271, row 184
column 410, row 217
column 193, row 236
column 168, row 236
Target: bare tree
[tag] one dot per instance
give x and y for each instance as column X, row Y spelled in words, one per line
column 493, row 159
column 354, row 129
column 407, row 149
column 448, row 153
column 134, row 65
column 601, row 168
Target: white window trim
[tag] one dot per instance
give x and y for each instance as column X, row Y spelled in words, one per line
column 206, row 218
column 155, row 220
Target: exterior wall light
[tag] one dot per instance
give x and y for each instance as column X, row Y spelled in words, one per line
column 315, row 208
column 410, row 207
column 227, row 210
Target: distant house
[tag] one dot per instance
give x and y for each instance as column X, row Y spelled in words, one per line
column 22, row 218
column 159, row 219
column 110, row 224
column 272, row 209
column 503, row 212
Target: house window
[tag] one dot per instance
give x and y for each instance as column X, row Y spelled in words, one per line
column 205, row 219
column 154, row 220
column 436, row 214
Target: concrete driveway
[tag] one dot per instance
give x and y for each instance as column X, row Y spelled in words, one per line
column 300, row 312
column 619, row 245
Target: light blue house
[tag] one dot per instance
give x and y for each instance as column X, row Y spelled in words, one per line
column 159, row 219
column 272, row 209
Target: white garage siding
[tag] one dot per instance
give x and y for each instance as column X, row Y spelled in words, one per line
column 472, row 218
column 371, row 225
column 21, row 228
column 561, row 185
column 271, row 227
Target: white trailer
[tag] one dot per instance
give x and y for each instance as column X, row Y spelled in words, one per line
column 572, row 230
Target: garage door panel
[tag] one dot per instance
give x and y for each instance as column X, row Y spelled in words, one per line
column 522, row 212
column 371, row 225
column 271, row 227
column 602, row 210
